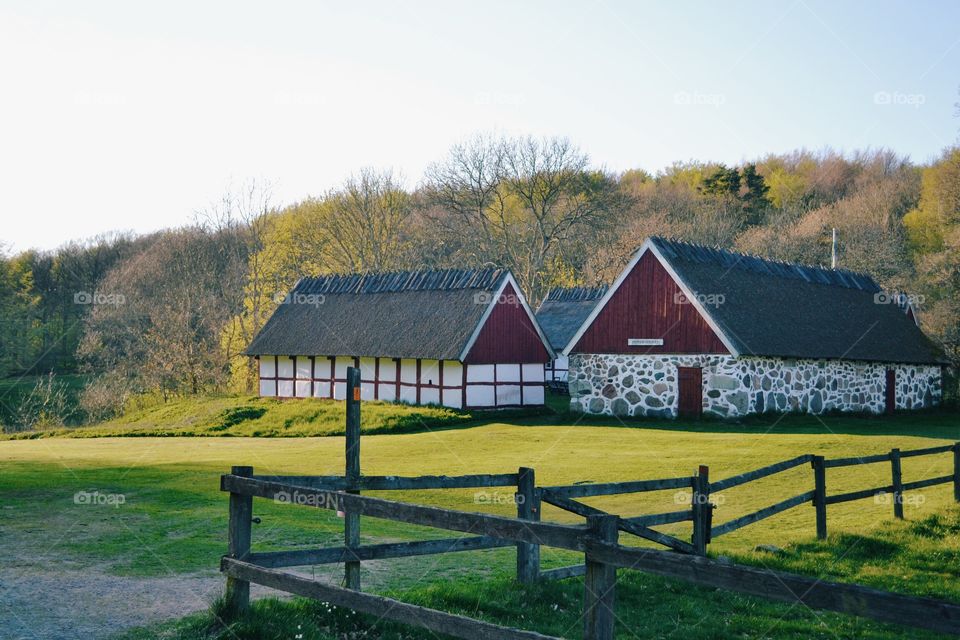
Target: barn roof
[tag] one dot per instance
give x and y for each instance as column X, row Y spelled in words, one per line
column 766, row 307
column 563, row 311
column 412, row 314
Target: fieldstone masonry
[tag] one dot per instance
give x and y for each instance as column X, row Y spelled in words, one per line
column 646, row 385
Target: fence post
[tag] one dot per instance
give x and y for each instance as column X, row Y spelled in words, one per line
column 820, row 495
column 897, row 471
column 528, row 508
column 241, row 519
column 599, row 584
column 351, row 521
column 956, row 472
column 702, row 510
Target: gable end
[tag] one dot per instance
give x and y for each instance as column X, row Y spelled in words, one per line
column 648, row 306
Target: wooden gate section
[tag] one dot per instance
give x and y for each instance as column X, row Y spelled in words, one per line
column 690, row 380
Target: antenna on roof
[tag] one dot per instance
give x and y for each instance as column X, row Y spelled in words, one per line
column 833, row 250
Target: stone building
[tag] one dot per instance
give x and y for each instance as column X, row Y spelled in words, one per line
column 690, row 330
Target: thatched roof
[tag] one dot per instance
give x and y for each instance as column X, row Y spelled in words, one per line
column 563, row 311
column 418, row 314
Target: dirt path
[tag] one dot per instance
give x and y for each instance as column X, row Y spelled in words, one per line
column 61, row 604
column 54, row 605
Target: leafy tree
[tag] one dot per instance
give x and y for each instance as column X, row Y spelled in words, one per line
column 938, row 212
column 754, row 195
column 724, row 182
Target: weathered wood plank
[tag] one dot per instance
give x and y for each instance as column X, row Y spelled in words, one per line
column 896, row 471
column 849, row 462
column 925, row 613
column 331, row 555
column 956, row 472
column 929, row 451
column 627, row 525
column 386, row 608
column 820, row 495
column 239, row 535
column 654, row 519
column 564, row 572
column 612, row 488
column 760, row 514
column 702, row 511
column 328, row 483
column 567, row 504
column 858, row 495
column 528, row 555
column 929, row 482
column 351, row 519
column 403, row 483
column 473, row 481
column 655, row 536
column 561, row 536
column 599, row 583
column 756, row 474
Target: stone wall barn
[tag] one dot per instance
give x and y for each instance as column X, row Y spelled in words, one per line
column 456, row 338
column 686, row 330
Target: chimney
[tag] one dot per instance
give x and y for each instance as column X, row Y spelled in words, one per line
column 833, row 250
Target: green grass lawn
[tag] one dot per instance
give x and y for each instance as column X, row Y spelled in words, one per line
column 172, row 519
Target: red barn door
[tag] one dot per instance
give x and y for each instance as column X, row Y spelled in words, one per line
column 691, row 391
column 890, row 394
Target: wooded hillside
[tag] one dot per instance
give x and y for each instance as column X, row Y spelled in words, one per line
column 168, row 313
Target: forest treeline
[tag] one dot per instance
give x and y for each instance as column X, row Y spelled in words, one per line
column 168, row 314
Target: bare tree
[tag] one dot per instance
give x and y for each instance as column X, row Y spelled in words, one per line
column 365, row 224
column 245, row 209
column 525, row 203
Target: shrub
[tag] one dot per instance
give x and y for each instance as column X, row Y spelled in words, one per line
column 105, row 397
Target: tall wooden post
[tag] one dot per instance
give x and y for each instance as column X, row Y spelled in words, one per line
column 241, row 518
column 897, row 472
column 528, row 508
column 956, row 472
column 599, row 584
column 351, row 521
column 702, row 510
column 820, row 495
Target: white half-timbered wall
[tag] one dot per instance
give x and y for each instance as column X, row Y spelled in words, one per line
column 557, row 369
column 414, row 381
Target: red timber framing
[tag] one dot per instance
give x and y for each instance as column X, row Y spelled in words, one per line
column 508, row 334
column 501, row 365
column 649, row 306
column 415, row 381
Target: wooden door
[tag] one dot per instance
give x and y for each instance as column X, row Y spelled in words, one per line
column 691, row 391
column 890, row 393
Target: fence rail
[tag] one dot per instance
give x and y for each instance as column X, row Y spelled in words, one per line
column 598, row 539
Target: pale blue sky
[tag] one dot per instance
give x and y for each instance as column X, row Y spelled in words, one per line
column 120, row 115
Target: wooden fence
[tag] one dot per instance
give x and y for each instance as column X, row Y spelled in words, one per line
column 597, row 539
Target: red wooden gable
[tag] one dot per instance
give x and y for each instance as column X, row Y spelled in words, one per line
column 649, row 305
column 508, row 335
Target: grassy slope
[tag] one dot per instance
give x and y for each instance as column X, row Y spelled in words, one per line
column 174, row 518
column 257, row 417
column 230, row 416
